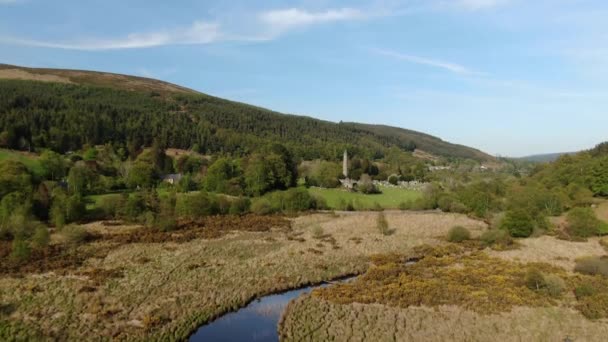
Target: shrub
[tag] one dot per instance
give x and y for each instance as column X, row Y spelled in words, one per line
column 75, row 208
column 297, row 199
column 594, row 307
column 346, row 206
column 196, row 205
column 57, row 215
column 317, row 231
column 554, row 284
column 148, row 219
column 382, row 224
column 166, row 223
column 135, row 206
column 261, row 206
column 534, row 280
column 112, row 205
column 584, row 290
column 366, row 185
column 405, row 205
column 445, row 203
column 20, row 250
column 496, row 237
column 223, row 204
column 551, row 283
column 592, row 266
column 74, row 235
column 458, row 234
column 518, row 223
column 41, row 237
column 393, row 179
column 239, row 206
column 320, row 203
column 583, row 223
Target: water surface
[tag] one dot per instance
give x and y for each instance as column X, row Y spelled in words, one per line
column 257, row 321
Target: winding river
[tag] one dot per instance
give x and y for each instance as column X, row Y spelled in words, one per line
column 256, row 322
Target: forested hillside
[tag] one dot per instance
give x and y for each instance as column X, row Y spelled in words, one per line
column 544, row 158
column 65, row 110
column 424, row 141
column 588, row 169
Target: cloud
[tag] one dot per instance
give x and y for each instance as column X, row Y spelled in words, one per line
column 474, row 5
column 285, row 19
column 452, row 67
column 197, row 33
column 269, row 25
column 9, row 2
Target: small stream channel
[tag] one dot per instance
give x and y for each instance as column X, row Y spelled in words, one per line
column 256, row 322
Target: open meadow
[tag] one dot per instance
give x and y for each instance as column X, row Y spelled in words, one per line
column 390, row 198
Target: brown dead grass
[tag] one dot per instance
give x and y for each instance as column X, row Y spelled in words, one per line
column 312, row 319
column 102, row 79
column 141, row 290
column 552, row 251
column 602, row 211
column 18, row 74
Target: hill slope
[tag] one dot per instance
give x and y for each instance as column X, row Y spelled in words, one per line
column 94, row 78
column 424, row 141
column 65, row 109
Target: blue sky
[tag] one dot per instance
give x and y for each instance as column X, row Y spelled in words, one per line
column 511, row 77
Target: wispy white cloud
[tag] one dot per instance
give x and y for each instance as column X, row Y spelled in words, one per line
column 197, row 33
column 282, row 20
column 449, row 66
column 9, row 2
column 269, row 25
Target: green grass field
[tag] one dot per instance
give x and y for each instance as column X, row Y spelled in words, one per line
column 390, row 198
column 31, row 161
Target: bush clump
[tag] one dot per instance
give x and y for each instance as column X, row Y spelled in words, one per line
column 554, row 284
column 592, row 266
column 239, row 206
column 165, row 223
column 458, row 234
column 594, row 307
column 518, row 223
column 551, row 283
column 261, row 206
column 496, row 238
column 20, row 250
column 583, row 223
column 197, row 205
column 112, row 205
column 41, row 237
column 74, row 235
column 584, row 290
column 393, row 179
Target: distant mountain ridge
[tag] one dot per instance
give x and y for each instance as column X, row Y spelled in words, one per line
column 545, row 158
column 138, row 109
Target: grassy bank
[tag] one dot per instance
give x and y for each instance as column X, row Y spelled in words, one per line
column 460, row 293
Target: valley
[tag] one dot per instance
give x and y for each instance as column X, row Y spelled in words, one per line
column 137, row 210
